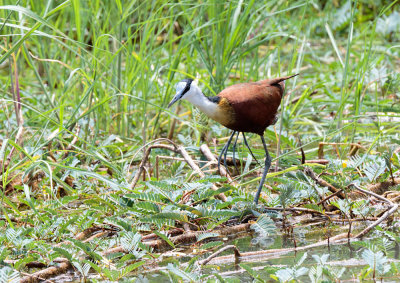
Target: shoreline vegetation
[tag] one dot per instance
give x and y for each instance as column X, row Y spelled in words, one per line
column 99, row 181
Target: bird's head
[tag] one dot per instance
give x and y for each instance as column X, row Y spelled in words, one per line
column 185, row 89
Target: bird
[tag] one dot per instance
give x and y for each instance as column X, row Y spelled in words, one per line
column 243, row 108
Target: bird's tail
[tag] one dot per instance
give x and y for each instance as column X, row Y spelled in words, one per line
column 281, row 79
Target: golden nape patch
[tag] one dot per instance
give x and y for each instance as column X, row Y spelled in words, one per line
column 225, row 114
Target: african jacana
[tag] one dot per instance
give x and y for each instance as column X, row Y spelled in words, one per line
column 245, row 107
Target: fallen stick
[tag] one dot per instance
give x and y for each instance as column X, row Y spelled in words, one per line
column 392, row 209
column 329, row 197
column 210, row 157
column 173, row 232
column 309, row 172
column 301, row 209
column 382, row 187
column 187, row 237
column 144, row 160
column 85, row 234
column 273, row 253
column 73, row 142
column 64, row 264
column 208, row 259
column 47, row 273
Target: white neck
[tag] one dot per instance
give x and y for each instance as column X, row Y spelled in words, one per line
column 198, row 99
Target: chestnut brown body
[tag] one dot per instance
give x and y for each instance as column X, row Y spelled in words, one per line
column 251, row 107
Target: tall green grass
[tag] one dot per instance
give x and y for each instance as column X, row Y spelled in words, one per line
column 110, row 67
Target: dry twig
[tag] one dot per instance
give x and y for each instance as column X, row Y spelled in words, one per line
column 392, row 209
column 73, row 142
column 208, row 259
column 309, row 172
column 210, row 157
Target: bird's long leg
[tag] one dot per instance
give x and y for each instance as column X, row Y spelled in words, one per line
column 224, row 152
column 245, row 142
column 227, row 147
column 267, row 165
column 234, row 149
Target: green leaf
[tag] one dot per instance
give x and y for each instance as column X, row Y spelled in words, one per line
column 376, row 261
column 150, row 196
column 132, row 267
column 64, row 253
column 168, row 216
column 264, row 226
column 165, row 238
column 146, row 207
column 203, row 236
column 9, row 275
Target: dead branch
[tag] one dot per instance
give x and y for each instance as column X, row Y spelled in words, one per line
column 340, row 263
column 73, row 142
column 329, row 197
column 85, row 234
column 392, row 209
column 47, row 273
column 210, row 157
column 63, row 263
column 301, row 209
column 353, row 148
column 273, row 253
column 382, row 187
column 173, row 124
column 173, row 232
column 144, row 160
column 196, row 168
column 187, row 237
column 208, row 259
column 309, row 172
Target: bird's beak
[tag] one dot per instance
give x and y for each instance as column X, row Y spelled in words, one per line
column 175, row 99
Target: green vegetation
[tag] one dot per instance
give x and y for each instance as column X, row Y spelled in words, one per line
column 84, row 87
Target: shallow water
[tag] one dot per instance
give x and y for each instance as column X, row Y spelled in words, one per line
column 347, row 255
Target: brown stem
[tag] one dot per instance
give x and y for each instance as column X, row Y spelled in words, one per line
column 309, row 172
column 393, row 208
column 210, row 157
column 73, row 142
column 208, row 259
column 18, row 112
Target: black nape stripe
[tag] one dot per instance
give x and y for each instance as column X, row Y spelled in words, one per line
column 215, row 99
column 187, row 87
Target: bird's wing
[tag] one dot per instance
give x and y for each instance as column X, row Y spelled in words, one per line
column 254, row 104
